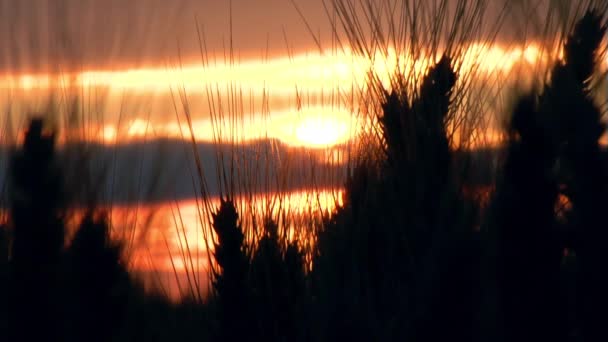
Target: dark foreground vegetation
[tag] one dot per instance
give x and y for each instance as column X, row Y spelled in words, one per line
column 413, row 254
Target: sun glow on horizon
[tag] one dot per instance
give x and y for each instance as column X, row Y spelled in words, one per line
column 340, row 73
column 312, row 127
column 319, row 132
column 311, row 71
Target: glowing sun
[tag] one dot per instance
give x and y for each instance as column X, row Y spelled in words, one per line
column 322, row 131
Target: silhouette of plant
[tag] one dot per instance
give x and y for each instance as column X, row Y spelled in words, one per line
column 278, row 287
column 401, row 259
column 4, row 276
column 267, row 284
column 576, row 128
column 230, row 282
column 385, row 245
column 37, row 222
column 339, row 264
column 296, row 321
column 528, row 246
column 98, row 282
column 554, row 150
column 425, row 151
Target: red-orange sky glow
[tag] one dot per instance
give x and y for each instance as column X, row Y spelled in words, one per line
column 301, row 100
column 118, row 72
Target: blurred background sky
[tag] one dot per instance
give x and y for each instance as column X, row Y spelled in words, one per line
column 296, row 105
column 106, row 34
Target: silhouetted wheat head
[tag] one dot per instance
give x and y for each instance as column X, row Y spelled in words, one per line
column 98, row 281
column 230, row 282
column 553, row 152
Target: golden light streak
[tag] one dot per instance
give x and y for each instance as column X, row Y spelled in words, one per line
column 311, row 71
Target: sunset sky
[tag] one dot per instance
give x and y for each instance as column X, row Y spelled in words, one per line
column 136, row 73
column 59, row 35
column 109, row 34
column 141, row 61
